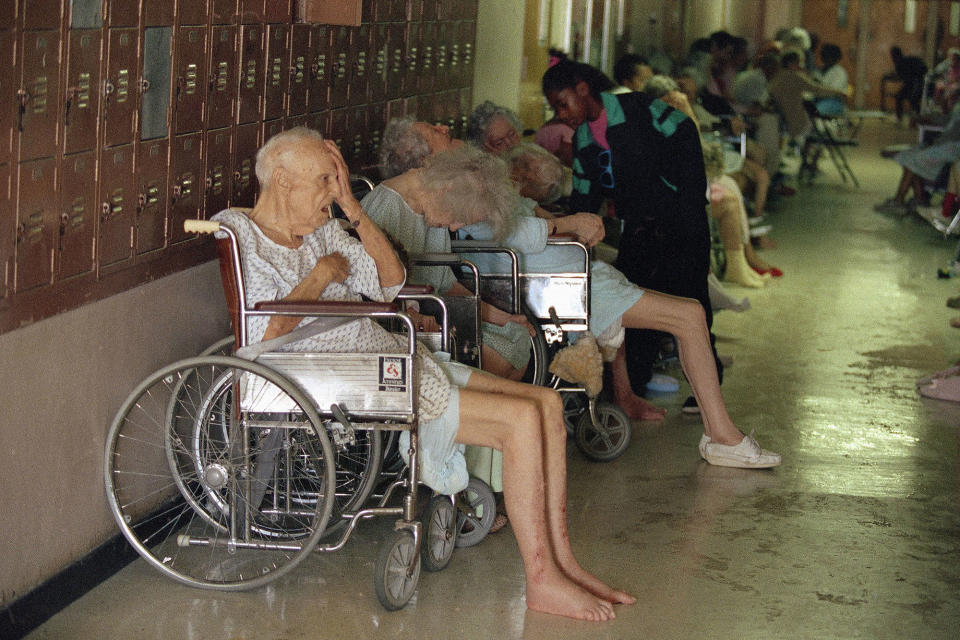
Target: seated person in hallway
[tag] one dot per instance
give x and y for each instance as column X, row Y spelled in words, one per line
column 911, row 71
column 494, row 128
column 631, row 73
column 787, row 88
column 292, row 250
column 922, row 165
column 832, row 76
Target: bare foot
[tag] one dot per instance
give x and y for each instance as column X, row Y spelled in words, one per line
column 596, row 586
column 562, row 597
column 637, row 408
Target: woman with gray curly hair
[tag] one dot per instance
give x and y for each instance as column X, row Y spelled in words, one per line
column 494, row 128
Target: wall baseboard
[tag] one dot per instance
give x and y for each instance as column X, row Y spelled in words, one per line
column 33, row 609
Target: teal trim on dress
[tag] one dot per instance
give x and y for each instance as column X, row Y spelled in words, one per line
column 667, row 182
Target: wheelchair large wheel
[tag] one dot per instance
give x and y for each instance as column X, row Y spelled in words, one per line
column 212, row 496
column 397, row 571
column 439, row 533
column 477, row 513
column 608, row 439
column 358, row 471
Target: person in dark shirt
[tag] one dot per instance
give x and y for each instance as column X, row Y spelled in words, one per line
column 911, row 70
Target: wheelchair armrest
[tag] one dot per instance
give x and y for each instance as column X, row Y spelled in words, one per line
column 326, row 308
column 436, row 259
column 466, row 245
column 415, row 290
column 563, row 236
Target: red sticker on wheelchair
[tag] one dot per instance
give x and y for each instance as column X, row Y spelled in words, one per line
column 393, row 374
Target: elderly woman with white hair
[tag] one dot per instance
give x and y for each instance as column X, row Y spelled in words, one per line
column 293, row 250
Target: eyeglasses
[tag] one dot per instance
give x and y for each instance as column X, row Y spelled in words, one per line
column 604, row 161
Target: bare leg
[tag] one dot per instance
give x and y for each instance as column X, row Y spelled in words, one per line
column 761, row 184
column 906, row 180
column 496, row 364
column 554, row 452
column 636, row 407
column 685, row 319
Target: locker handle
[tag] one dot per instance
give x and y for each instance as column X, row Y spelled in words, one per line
column 108, row 88
column 144, row 85
column 23, row 97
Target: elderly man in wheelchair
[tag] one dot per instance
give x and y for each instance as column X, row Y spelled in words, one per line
column 292, row 250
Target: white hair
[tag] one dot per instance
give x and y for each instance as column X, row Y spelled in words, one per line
column 402, row 147
column 281, row 151
column 537, row 168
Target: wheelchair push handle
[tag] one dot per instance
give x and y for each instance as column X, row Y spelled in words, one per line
column 201, row 226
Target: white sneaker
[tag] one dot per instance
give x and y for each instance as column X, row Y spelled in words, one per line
column 746, row 455
column 702, row 446
column 930, row 214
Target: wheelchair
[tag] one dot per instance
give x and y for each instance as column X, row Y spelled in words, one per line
column 556, row 304
column 225, row 473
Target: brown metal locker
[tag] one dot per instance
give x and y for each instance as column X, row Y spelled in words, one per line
column 338, row 70
column 117, row 203
column 244, row 156
column 395, row 109
column 467, row 35
column 120, row 87
column 82, row 91
column 123, row 13
column 320, row 68
column 191, row 12
column 277, row 70
column 296, row 121
column 7, row 234
column 379, row 63
column 41, row 14
column 355, row 138
column 37, row 223
column 466, row 107
column 78, row 214
column 428, row 58
column 157, row 13
column 376, row 121
column 186, row 184
column 453, row 49
column 277, row 11
column 219, row 169
column 270, row 128
column 441, row 57
column 413, row 58
column 8, row 103
column 428, row 11
column 190, row 83
column 38, row 93
column 320, row 121
column 360, row 58
column 300, row 60
column 155, row 86
column 337, row 130
column 446, row 9
column 222, row 83
column 223, row 11
column 395, row 63
column 251, row 72
column 391, row 10
column 251, row 11
column 151, row 220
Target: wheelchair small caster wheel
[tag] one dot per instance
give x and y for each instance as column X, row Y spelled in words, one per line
column 476, row 511
column 609, row 438
column 574, row 404
column 397, row 571
column 439, row 533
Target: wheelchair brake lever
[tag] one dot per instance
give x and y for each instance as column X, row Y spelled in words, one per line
column 346, row 435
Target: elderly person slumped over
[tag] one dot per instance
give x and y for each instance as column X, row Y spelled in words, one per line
column 292, row 250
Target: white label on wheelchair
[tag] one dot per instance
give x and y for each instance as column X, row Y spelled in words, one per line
column 393, row 374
